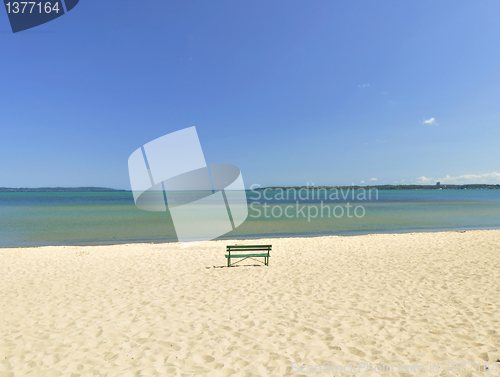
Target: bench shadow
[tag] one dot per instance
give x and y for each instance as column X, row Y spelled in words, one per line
column 243, row 265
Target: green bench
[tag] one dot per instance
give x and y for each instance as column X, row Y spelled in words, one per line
column 248, row 251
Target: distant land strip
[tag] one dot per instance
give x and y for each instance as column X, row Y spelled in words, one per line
column 355, row 187
column 59, row 189
column 386, row 187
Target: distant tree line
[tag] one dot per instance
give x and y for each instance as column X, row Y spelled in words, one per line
column 58, row 189
column 437, row 186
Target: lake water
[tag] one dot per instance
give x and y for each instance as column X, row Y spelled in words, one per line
column 37, row 219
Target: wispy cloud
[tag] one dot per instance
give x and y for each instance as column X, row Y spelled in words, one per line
column 426, row 180
column 489, row 178
column 373, row 179
column 363, row 85
column 430, row 122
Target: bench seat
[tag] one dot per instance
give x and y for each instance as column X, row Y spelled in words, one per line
column 246, row 255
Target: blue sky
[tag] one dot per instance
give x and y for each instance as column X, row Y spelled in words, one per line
column 292, row 92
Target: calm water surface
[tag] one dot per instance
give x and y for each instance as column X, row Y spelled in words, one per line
column 36, row 219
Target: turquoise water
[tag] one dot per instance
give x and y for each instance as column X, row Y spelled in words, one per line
column 36, row 219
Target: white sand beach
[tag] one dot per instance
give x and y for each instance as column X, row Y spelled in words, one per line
column 157, row 310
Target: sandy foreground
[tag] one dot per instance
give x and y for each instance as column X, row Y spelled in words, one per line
column 158, row 310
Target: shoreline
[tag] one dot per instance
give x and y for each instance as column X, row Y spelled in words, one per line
column 260, row 236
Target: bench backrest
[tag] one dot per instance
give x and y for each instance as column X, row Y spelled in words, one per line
column 245, row 248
